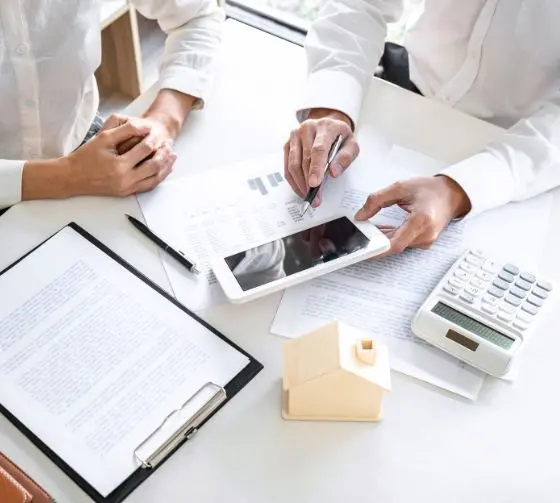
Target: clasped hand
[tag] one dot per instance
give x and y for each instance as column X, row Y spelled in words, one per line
column 129, row 155
column 431, row 202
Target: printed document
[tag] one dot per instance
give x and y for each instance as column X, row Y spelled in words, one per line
column 92, row 360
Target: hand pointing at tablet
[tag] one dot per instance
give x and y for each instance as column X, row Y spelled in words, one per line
column 432, row 202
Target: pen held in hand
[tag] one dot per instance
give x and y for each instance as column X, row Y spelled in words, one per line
column 178, row 255
column 313, row 191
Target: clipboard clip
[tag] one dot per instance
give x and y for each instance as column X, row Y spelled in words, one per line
column 184, row 431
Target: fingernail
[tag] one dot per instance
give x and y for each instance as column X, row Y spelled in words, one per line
column 336, row 170
column 313, row 180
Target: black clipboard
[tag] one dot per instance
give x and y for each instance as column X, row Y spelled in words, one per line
column 218, row 400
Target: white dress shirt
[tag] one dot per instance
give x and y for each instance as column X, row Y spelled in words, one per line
column 49, row 51
column 498, row 60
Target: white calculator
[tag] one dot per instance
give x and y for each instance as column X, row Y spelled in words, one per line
column 483, row 312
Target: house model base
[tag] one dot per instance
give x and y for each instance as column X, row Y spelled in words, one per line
column 335, row 373
column 293, row 417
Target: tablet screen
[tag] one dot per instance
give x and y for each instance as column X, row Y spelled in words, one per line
column 296, row 252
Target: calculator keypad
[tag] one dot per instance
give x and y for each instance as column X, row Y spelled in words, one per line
column 504, row 292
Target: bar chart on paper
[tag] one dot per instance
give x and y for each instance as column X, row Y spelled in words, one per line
column 260, row 183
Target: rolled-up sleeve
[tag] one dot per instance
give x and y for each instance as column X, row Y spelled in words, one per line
column 523, row 162
column 10, row 182
column 343, row 48
column 194, row 31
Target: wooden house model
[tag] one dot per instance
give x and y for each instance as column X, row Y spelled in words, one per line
column 335, row 373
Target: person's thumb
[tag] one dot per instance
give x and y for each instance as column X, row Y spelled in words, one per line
column 344, row 158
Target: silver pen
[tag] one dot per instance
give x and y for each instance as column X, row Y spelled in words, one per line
column 313, row 191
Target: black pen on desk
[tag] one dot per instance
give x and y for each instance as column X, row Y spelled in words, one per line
column 312, row 193
column 178, row 255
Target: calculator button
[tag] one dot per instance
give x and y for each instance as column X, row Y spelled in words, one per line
column 506, row 276
column 508, row 308
column 520, row 325
column 451, row 289
column 467, row 297
column 471, row 259
column 461, row 274
column 529, row 308
column 518, row 292
column 545, row 285
column 476, row 253
column 514, row 301
column 526, row 317
column 468, row 267
column 502, row 315
column 489, row 308
column 478, row 283
column 456, row 282
column 539, row 292
column 490, row 266
column 501, row 284
column 512, row 269
column 533, row 299
column 486, row 276
column 472, row 290
column 493, row 301
column 496, row 292
column 523, row 284
column 527, row 276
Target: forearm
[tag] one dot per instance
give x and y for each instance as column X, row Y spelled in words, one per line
column 522, row 163
column 343, row 48
column 170, row 108
column 47, row 179
column 193, row 29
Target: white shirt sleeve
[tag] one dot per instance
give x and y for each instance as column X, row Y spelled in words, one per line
column 343, row 48
column 10, row 182
column 194, row 30
column 524, row 162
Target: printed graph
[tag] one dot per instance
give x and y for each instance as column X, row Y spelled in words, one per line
column 260, row 183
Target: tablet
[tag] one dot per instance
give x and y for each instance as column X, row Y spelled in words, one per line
column 291, row 259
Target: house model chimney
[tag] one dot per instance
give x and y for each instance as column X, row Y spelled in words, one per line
column 365, row 351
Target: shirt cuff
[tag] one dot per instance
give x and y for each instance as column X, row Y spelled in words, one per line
column 10, row 182
column 332, row 89
column 186, row 81
column 487, row 182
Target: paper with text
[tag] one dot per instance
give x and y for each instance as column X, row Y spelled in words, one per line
column 92, row 359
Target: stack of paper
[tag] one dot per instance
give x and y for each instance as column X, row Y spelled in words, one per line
column 224, row 212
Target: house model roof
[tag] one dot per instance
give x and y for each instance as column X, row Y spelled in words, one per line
column 331, row 348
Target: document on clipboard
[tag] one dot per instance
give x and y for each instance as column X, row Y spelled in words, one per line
column 102, row 370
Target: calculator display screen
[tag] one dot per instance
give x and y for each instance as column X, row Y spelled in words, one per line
column 472, row 325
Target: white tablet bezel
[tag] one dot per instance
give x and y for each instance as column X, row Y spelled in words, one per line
column 378, row 243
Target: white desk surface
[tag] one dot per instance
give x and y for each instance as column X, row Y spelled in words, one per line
column 432, row 447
